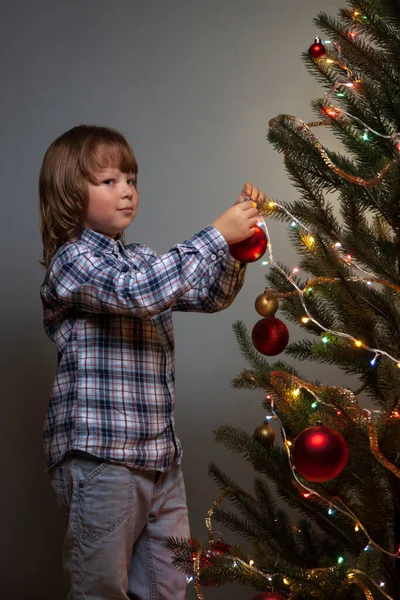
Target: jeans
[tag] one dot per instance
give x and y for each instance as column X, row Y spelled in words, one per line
column 115, row 521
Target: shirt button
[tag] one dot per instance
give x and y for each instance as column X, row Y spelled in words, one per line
column 221, row 253
column 213, row 257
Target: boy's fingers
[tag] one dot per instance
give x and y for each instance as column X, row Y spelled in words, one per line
column 255, row 192
column 249, row 204
column 247, row 189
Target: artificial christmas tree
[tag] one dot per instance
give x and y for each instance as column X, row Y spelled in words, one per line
column 339, row 464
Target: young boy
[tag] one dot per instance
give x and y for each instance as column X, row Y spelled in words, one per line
column 112, row 451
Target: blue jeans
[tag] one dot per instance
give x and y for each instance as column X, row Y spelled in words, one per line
column 116, row 520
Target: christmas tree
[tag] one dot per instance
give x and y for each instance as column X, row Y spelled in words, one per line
column 339, row 463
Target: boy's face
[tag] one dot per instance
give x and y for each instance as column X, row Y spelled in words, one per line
column 112, row 202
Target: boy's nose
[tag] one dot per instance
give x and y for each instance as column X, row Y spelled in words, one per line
column 127, row 191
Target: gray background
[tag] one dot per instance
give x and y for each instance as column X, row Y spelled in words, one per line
column 192, row 85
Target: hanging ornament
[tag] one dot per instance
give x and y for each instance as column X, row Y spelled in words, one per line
column 265, row 305
column 270, row 336
column 269, row 596
column 319, row 453
column 265, row 434
column 316, row 50
column 252, row 248
column 217, row 549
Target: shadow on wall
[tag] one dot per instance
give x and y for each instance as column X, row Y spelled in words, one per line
column 31, row 528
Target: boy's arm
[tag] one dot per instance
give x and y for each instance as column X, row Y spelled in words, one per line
column 90, row 282
column 218, row 288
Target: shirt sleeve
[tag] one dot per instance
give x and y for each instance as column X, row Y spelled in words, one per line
column 93, row 282
column 219, row 286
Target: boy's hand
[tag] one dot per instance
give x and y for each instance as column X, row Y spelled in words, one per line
column 250, row 191
column 238, row 222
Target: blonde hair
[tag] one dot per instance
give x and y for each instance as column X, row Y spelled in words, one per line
column 68, row 165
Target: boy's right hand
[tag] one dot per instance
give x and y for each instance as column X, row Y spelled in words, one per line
column 238, row 222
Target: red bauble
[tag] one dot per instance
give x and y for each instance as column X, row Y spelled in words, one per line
column 319, row 453
column 317, row 49
column 270, row 336
column 217, row 549
column 252, row 248
column 269, row 596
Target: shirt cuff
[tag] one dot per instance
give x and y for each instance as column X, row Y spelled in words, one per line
column 210, row 243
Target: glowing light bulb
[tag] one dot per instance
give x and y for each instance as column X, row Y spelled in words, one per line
column 285, row 581
column 314, row 405
column 329, row 61
column 357, row 527
column 358, row 343
column 296, row 392
column 271, row 204
column 251, row 563
column 295, row 270
column 325, row 339
column 305, row 320
column 340, row 560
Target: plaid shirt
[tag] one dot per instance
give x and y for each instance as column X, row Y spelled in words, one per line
column 108, row 308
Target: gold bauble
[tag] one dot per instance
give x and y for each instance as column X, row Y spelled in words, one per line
column 266, row 307
column 265, row 435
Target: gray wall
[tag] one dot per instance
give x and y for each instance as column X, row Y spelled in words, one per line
column 192, row 85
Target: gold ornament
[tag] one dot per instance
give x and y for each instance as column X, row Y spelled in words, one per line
column 265, row 305
column 265, row 435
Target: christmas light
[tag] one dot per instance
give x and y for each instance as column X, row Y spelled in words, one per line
column 314, row 405
column 305, row 320
column 358, row 343
column 286, row 581
column 309, row 240
column 340, row 560
column 271, row 204
column 357, row 527
column 296, row 392
column 325, row 339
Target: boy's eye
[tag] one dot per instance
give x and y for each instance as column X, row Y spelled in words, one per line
column 133, row 181
column 108, row 181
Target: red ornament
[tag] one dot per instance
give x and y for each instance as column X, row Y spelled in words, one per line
column 269, row 596
column 316, row 50
column 270, row 336
column 217, row 549
column 252, row 248
column 319, row 453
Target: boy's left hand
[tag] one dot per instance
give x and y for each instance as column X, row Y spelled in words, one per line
column 250, row 192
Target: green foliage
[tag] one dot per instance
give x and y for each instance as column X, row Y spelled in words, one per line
column 316, row 554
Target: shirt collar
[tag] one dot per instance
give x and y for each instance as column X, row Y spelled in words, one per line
column 100, row 241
